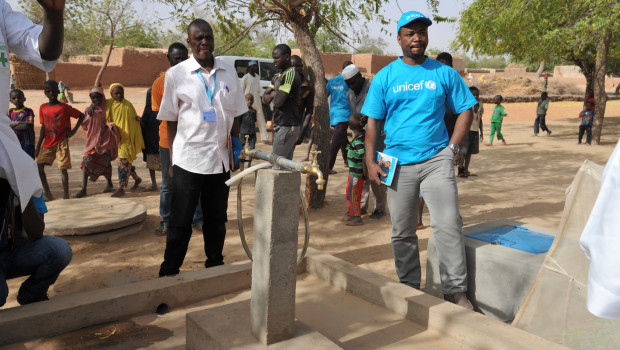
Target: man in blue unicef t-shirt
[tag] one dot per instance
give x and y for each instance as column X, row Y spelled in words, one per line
column 411, row 94
column 339, row 112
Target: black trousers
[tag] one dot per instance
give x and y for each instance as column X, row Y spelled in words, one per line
column 185, row 191
column 588, row 130
column 339, row 142
column 540, row 120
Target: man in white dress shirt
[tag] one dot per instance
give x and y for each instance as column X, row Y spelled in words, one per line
column 202, row 97
column 39, row 45
column 250, row 84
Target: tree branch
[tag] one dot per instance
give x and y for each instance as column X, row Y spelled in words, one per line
column 279, row 7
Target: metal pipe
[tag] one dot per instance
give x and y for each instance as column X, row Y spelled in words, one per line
column 304, row 168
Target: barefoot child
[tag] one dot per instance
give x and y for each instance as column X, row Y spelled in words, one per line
column 247, row 122
column 56, row 130
column 586, row 116
column 101, row 143
column 22, row 121
column 357, row 170
column 122, row 113
column 496, row 120
column 150, row 134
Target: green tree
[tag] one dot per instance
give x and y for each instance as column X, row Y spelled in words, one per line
column 258, row 43
column 495, row 62
column 371, row 45
column 580, row 32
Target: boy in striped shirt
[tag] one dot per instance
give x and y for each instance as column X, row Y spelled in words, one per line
column 357, row 170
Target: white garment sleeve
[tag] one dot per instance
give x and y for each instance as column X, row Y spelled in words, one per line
column 240, row 105
column 22, row 38
column 17, row 167
column 600, row 241
column 169, row 106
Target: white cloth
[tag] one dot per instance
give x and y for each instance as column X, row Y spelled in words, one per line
column 16, row 166
column 20, row 36
column 251, row 85
column 350, row 71
column 600, row 241
column 201, row 147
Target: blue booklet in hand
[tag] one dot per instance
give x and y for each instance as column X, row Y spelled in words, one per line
column 388, row 165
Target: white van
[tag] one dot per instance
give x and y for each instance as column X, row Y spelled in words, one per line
column 266, row 68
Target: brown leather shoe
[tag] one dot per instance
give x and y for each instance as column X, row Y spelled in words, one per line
column 459, row 299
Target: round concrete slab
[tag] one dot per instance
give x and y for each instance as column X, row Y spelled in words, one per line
column 85, row 216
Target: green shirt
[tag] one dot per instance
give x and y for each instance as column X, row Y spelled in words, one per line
column 543, row 106
column 355, row 152
column 498, row 114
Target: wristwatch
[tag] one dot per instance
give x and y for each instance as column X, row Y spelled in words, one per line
column 454, row 148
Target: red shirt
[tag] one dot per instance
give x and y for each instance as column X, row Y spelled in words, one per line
column 56, row 121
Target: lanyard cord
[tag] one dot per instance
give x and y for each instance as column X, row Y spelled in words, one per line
column 210, row 92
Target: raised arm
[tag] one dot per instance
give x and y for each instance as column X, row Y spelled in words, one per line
column 52, row 36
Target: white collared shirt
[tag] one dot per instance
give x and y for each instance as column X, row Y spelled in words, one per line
column 21, row 37
column 201, row 147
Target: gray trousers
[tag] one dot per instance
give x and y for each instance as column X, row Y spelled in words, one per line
column 435, row 177
column 284, row 140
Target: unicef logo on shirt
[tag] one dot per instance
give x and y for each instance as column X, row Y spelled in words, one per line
column 431, row 85
column 417, row 86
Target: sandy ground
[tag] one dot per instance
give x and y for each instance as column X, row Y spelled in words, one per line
column 524, row 180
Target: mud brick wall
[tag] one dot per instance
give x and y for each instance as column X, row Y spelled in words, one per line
column 27, row 76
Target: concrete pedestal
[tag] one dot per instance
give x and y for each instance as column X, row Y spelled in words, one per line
column 228, row 327
column 498, row 277
column 276, row 221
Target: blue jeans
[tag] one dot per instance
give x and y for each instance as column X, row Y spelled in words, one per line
column 42, row 260
column 164, row 194
column 187, row 189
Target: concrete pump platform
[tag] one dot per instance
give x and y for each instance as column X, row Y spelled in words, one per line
column 347, row 306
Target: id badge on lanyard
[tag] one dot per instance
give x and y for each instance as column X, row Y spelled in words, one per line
column 208, row 115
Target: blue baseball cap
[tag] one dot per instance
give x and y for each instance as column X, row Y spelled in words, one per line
column 411, row 16
column 252, row 62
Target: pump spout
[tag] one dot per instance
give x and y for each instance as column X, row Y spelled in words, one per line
column 313, row 169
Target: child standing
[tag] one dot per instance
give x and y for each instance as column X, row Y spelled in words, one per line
column 101, row 143
column 22, row 121
column 470, row 144
column 247, row 122
column 587, row 115
column 541, row 113
column 122, row 113
column 150, row 134
column 357, row 170
column 56, row 130
column 496, row 120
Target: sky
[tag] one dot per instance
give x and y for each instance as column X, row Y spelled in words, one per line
column 440, row 34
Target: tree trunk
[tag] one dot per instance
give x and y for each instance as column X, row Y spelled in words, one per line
column 588, row 71
column 105, row 64
column 600, row 97
column 320, row 131
column 540, row 70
